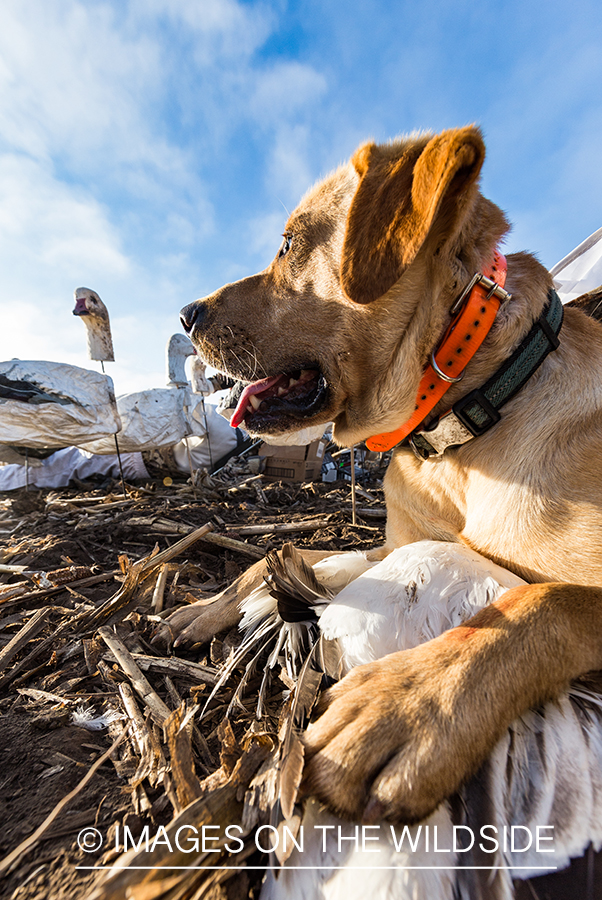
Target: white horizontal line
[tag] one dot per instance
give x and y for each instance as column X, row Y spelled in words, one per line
column 317, row 868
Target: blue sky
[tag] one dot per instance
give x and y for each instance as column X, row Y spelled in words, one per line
column 149, row 148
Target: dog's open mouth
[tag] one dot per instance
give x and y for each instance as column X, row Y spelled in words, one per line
column 268, row 403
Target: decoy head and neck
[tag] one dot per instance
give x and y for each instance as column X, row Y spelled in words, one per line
column 177, row 349
column 95, row 317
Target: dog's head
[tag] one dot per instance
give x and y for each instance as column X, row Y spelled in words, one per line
column 339, row 326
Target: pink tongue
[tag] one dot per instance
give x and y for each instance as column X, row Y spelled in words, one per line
column 258, row 387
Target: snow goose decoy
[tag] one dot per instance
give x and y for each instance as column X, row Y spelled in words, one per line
column 95, row 317
column 49, row 405
column 46, row 405
column 156, row 417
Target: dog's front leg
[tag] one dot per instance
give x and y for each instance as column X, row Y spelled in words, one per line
column 401, row 734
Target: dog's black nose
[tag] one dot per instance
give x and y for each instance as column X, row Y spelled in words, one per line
column 191, row 315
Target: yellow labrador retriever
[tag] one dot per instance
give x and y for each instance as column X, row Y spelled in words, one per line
column 390, row 311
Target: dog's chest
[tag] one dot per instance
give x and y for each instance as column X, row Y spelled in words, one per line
column 498, row 509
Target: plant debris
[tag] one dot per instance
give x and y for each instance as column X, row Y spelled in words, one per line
column 85, row 578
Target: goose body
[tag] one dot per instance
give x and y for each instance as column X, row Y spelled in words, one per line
column 545, row 772
column 149, row 419
column 157, row 417
column 47, row 404
column 209, row 437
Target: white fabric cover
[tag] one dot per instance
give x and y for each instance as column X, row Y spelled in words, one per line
column 150, row 419
column 80, row 405
column 57, row 470
column 162, row 417
column 211, row 439
column 581, row 270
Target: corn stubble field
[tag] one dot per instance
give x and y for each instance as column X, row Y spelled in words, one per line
column 86, row 577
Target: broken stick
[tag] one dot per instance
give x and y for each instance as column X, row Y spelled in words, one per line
column 159, row 710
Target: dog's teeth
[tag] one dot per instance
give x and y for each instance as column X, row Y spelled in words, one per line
column 254, row 401
column 249, row 408
column 281, row 391
column 292, row 382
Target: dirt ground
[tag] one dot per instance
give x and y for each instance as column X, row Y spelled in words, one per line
column 43, row 755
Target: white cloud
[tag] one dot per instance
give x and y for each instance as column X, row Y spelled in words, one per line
column 46, row 222
column 290, row 170
column 71, row 82
column 75, row 94
column 37, row 323
column 222, row 29
column 114, row 118
column 265, row 234
column 281, row 96
column 283, row 90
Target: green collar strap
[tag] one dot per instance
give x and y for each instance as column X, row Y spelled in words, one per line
column 478, row 411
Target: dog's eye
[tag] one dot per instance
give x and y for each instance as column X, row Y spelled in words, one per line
column 285, row 245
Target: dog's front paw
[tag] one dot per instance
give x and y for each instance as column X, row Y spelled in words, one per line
column 398, row 736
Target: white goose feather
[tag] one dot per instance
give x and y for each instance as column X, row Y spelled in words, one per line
column 546, row 770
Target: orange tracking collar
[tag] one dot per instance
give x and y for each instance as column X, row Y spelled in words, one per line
column 473, row 314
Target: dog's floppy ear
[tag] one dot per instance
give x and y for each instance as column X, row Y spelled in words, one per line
column 402, row 190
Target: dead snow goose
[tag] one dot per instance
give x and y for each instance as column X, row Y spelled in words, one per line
column 545, row 772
